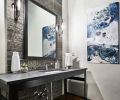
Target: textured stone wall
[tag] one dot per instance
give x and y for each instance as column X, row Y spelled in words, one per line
column 15, row 34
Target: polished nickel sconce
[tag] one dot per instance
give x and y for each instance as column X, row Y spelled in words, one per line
column 59, row 27
column 17, row 6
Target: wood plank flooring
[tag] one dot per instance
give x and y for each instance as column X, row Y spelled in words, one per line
column 69, row 97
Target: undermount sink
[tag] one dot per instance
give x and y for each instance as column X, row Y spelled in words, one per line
column 52, row 70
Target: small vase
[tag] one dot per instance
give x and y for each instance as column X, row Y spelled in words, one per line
column 24, row 69
column 15, row 64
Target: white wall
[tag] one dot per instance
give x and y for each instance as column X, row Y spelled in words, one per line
column 106, row 75
column 65, row 28
column 2, row 38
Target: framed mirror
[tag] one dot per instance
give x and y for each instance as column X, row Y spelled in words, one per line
column 40, row 31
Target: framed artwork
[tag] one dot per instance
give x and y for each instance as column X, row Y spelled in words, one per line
column 102, row 34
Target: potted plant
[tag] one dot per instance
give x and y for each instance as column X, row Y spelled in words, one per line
column 24, row 67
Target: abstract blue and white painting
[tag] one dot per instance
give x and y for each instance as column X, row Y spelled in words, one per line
column 49, row 41
column 102, row 34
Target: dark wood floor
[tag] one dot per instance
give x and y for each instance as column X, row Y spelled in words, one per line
column 68, row 97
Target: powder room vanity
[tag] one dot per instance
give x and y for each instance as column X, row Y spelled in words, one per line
column 12, row 83
column 42, row 44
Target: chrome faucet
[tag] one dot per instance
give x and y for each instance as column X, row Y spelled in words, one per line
column 46, row 67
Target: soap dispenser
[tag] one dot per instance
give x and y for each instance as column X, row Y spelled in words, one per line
column 57, row 65
column 15, row 64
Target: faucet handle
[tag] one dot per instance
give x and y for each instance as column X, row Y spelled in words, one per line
column 46, row 66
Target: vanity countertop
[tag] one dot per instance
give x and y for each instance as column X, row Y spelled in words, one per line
column 12, row 83
column 12, row 78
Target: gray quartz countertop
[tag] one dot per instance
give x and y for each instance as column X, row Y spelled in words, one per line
column 14, row 77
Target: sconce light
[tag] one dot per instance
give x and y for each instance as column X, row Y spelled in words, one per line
column 17, row 6
column 59, row 27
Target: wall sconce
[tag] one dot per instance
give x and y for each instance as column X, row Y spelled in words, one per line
column 59, row 27
column 17, row 6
